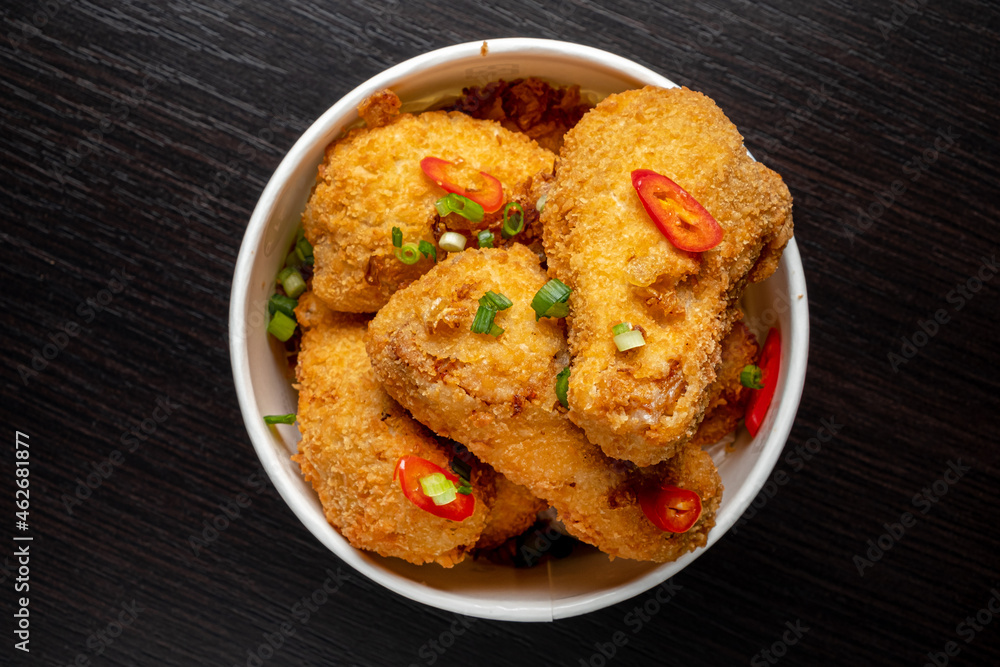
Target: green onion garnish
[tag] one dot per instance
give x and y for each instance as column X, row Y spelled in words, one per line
column 629, row 340
column 452, row 242
column 462, row 469
column 292, row 260
column 512, row 223
column 409, row 253
column 496, row 330
column 397, row 237
column 438, row 488
column 495, row 301
column 281, row 326
column 280, row 419
column 752, row 377
column 485, row 239
column 284, row 273
column 550, row 300
column 427, row 249
column 483, row 322
column 562, row 386
column 455, row 203
column 540, row 205
column 284, row 304
column 621, row 328
column 293, row 283
column 304, row 250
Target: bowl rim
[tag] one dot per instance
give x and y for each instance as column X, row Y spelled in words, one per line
column 794, row 354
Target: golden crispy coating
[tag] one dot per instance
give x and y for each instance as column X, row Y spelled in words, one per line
column 497, row 397
column 727, row 396
column 643, row 404
column 353, row 434
column 371, row 181
column 513, row 509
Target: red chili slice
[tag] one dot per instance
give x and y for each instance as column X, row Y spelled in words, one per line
column 480, row 187
column 410, row 469
column 676, row 213
column 770, row 365
column 671, row 508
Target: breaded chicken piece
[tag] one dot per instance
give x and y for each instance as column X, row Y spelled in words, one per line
column 727, row 396
column 371, row 181
column 643, row 404
column 513, row 509
column 353, row 434
column 497, row 397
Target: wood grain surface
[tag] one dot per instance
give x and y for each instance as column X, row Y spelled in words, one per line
column 136, row 138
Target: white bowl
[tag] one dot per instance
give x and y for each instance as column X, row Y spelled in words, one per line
column 586, row 580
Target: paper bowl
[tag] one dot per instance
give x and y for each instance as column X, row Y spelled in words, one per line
column 586, row 580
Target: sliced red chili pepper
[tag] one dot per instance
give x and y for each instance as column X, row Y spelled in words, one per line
column 478, row 186
column 770, row 365
column 676, row 213
column 671, row 508
column 410, row 469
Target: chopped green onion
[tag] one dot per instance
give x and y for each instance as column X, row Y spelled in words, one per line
column 455, row 203
column 284, row 273
column 483, row 322
column 540, row 205
column 752, row 377
column 438, row 488
column 621, row 328
column 435, row 484
column 464, row 489
column 562, row 386
column 512, row 224
column 281, row 326
column 452, row 242
column 462, row 469
column 496, row 301
column 397, row 237
column 294, row 284
column 292, row 260
column 485, row 239
column 409, row 253
column 427, row 249
column 496, row 330
column 304, row 250
column 550, row 300
column 281, row 303
column 280, row 419
column 629, row 340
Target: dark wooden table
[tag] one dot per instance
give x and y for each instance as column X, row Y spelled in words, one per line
column 136, row 138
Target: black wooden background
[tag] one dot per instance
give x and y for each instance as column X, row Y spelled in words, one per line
column 136, row 138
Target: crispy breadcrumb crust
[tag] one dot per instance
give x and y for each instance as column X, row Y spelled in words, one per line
column 371, row 181
column 727, row 396
column 643, row 404
column 497, row 397
column 353, row 434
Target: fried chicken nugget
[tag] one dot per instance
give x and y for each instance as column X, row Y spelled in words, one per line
column 497, row 397
column 727, row 395
column 353, row 434
column 371, row 181
column 643, row 404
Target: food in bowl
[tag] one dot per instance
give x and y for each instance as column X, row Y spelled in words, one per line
column 629, row 511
